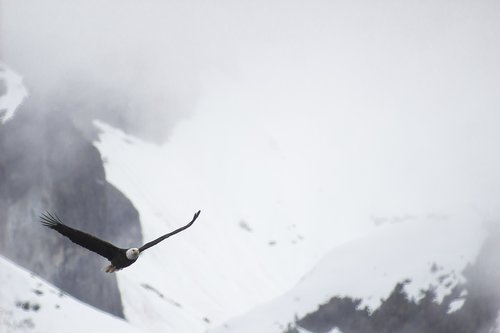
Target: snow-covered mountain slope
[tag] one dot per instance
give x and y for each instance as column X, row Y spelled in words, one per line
column 254, row 220
column 430, row 251
column 30, row 304
column 305, row 146
column 12, row 92
column 266, row 221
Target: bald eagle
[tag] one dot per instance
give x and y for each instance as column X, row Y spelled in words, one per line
column 119, row 258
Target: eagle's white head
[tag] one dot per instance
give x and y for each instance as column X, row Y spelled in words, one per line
column 132, row 253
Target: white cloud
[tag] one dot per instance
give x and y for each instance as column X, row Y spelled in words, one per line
column 13, row 95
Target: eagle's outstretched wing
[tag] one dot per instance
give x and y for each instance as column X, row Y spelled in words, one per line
column 81, row 238
column 159, row 239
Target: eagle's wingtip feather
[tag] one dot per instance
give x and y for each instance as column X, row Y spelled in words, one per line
column 48, row 220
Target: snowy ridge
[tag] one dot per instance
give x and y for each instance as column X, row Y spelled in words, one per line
column 14, row 92
column 31, row 304
column 369, row 268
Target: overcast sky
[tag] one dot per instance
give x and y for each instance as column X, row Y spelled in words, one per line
column 392, row 99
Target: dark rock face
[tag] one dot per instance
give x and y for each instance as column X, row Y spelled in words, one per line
column 46, row 164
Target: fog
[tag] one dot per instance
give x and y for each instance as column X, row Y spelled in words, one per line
column 394, row 100
column 12, row 93
column 141, row 60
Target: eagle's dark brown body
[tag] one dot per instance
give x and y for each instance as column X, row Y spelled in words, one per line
column 119, row 261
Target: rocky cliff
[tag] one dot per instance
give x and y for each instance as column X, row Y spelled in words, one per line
column 46, row 164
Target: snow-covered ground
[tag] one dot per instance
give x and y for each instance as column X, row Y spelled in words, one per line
column 12, row 92
column 31, row 304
